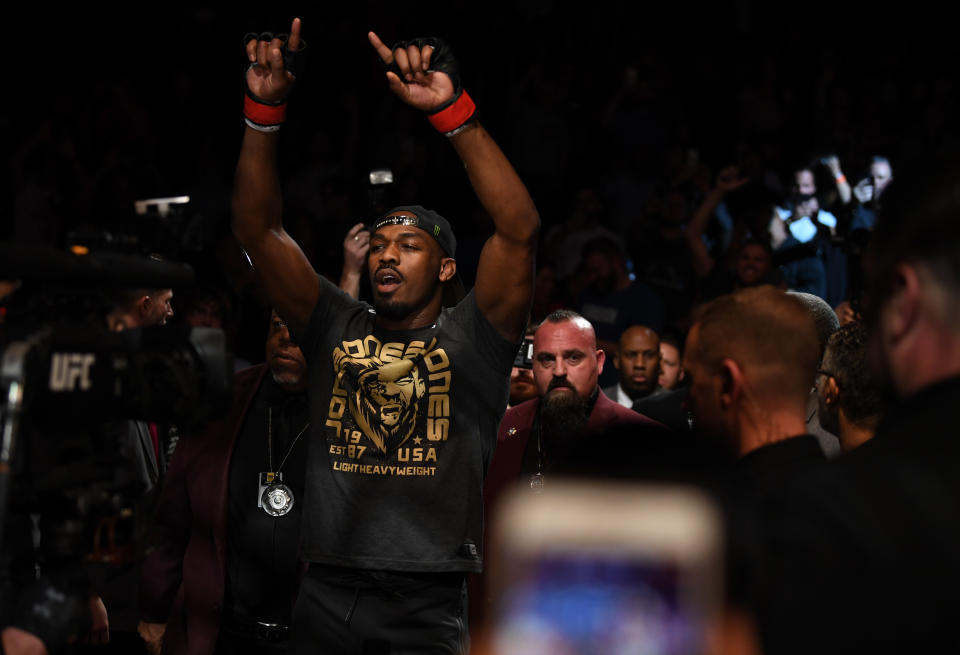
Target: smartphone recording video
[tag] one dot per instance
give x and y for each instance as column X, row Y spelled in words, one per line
column 591, row 568
column 524, row 356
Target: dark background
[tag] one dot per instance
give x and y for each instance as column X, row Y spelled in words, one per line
column 104, row 106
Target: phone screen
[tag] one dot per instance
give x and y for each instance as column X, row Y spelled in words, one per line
column 598, row 594
column 524, row 356
column 574, row 603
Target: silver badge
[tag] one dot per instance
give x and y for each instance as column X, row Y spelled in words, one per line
column 277, row 499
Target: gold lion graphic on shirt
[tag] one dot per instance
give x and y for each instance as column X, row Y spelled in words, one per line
column 383, row 398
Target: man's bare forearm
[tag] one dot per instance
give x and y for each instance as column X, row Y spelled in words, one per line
column 350, row 283
column 504, row 285
column 497, row 185
column 284, row 272
column 257, row 201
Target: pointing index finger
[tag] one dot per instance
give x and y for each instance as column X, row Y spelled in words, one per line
column 293, row 43
column 383, row 51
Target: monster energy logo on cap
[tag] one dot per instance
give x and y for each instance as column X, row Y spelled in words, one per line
column 425, row 219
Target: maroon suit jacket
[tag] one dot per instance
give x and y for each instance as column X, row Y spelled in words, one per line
column 184, row 574
column 515, row 430
column 505, row 469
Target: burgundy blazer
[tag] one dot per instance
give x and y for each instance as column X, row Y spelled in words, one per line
column 184, row 574
column 505, row 469
column 515, row 430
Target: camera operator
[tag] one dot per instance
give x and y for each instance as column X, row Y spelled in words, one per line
column 144, row 446
column 137, row 308
column 83, row 357
column 51, row 610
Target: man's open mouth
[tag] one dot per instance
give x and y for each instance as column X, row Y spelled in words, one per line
column 387, row 280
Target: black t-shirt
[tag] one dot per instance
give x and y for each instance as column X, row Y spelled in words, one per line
column 262, row 562
column 404, row 426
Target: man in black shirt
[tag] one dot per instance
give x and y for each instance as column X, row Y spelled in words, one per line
column 848, row 393
column 751, row 357
column 241, row 477
column 865, row 556
column 405, row 396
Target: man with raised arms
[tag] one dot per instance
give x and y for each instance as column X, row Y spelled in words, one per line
column 406, row 395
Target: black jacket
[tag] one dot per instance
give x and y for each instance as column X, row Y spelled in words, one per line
column 864, row 556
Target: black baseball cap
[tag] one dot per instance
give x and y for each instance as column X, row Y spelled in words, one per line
column 425, row 219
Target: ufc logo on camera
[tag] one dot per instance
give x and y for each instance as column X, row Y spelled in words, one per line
column 67, row 370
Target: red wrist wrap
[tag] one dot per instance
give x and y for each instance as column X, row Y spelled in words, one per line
column 262, row 114
column 450, row 118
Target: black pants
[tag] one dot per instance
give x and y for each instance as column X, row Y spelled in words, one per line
column 236, row 643
column 339, row 611
column 121, row 643
column 240, row 635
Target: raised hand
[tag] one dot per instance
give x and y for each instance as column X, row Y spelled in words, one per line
column 807, row 208
column 267, row 78
column 729, row 179
column 832, row 162
column 416, row 85
column 355, row 247
column 845, row 313
column 864, row 190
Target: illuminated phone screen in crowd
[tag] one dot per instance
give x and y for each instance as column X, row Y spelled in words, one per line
column 579, row 603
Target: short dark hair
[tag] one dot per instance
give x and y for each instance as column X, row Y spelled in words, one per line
column 203, row 292
column 845, row 361
column 673, row 337
column 561, row 316
column 125, row 299
column 919, row 223
column 765, row 330
column 754, row 241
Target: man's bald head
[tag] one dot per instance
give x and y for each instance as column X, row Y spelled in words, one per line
column 565, row 355
column 566, row 365
column 570, row 316
column 824, row 318
column 635, row 332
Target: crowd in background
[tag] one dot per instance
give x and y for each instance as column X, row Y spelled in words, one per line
column 672, row 160
column 622, row 139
